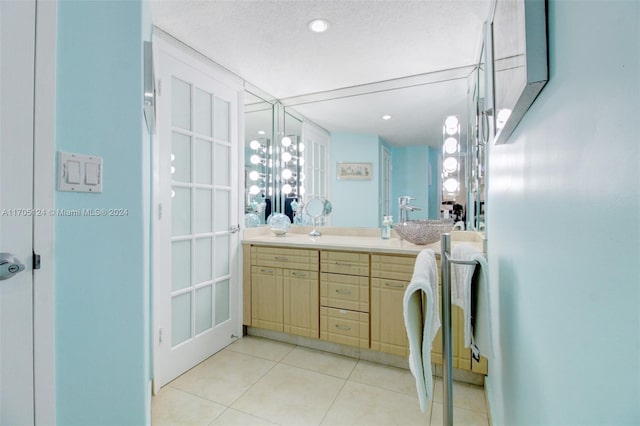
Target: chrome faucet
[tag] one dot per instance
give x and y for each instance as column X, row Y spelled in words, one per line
column 405, row 208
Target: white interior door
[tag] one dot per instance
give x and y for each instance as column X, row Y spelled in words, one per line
column 17, row 43
column 196, row 268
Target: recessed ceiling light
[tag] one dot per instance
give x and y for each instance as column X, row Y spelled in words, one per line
column 386, row 117
column 261, row 132
column 318, row 25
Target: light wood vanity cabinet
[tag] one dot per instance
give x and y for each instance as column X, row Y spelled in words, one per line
column 344, row 298
column 284, row 290
column 390, row 276
column 351, row 298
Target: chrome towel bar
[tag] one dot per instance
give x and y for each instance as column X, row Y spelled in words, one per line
column 447, row 370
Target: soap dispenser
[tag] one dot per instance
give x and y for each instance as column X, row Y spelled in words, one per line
column 386, row 227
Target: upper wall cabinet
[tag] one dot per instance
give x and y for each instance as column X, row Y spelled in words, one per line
column 520, row 62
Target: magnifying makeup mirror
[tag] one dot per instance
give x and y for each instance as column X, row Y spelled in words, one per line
column 315, row 208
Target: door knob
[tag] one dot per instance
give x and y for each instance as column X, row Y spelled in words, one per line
column 9, row 266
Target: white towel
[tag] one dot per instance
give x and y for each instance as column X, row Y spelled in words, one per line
column 422, row 321
column 463, row 284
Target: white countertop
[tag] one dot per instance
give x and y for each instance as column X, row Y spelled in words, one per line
column 352, row 239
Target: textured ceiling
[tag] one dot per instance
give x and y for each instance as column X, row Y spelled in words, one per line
column 267, row 44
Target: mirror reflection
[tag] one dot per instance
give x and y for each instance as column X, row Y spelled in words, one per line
column 441, row 170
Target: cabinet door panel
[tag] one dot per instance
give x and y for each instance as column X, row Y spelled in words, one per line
column 267, row 298
column 301, row 303
column 388, row 333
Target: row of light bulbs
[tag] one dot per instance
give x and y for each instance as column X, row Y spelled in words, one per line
column 451, row 151
column 287, row 175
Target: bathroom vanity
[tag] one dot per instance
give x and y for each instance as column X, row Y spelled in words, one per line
column 341, row 292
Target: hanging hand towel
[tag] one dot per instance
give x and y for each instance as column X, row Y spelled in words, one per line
column 422, row 321
column 471, row 282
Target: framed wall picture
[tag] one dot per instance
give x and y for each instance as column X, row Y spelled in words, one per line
column 354, row 171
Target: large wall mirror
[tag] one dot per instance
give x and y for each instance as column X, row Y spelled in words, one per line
column 404, row 152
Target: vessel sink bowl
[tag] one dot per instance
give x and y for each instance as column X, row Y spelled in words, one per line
column 423, row 232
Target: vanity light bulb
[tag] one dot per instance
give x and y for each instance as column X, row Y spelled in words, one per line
column 302, row 176
column 451, row 125
column 173, row 170
column 451, row 185
column 173, row 193
column 286, row 141
column 301, row 161
column 254, row 175
column 300, row 147
column 261, row 132
column 302, row 190
column 286, row 188
column 254, row 190
column 255, row 159
column 286, row 174
column 286, row 157
column 450, row 165
column 254, row 144
column 173, row 157
column 450, row 145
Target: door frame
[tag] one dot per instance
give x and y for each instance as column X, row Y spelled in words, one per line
column 44, row 198
column 162, row 41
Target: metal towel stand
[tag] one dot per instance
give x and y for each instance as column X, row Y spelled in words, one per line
column 447, row 370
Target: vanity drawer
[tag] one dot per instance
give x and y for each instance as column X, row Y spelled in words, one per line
column 345, row 327
column 340, row 262
column 278, row 257
column 344, row 292
column 392, row 267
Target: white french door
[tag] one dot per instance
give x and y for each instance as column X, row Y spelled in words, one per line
column 17, row 52
column 196, row 281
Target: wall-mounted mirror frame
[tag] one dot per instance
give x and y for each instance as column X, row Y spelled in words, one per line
column 480, row 103
column 520, row 60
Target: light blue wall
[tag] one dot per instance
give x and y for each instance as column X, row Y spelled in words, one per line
column 564, row 230
column 355, row 202
column 411, row 177
column 102, row 288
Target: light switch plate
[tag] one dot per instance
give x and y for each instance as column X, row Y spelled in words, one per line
column 79, row 173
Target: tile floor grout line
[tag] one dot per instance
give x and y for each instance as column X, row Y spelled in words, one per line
column 255, row 383
column 344, row 383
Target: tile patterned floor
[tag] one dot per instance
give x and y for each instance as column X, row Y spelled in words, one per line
column 257, row 381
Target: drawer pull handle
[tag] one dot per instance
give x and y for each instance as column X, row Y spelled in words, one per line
column 344, row 264
column 281, row 258
column 267, row 271
column 299, row 274
column 388, row 284
column 343, row 327
column 341, row 291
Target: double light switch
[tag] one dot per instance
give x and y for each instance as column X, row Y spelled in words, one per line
column 79, row 173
